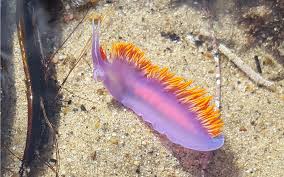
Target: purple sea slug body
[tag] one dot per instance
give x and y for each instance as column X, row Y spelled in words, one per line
column 184, row 115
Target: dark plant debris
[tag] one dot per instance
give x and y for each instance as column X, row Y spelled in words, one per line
column 257, row 63
column 83, row 108
column 265, row 25
column 170, row 35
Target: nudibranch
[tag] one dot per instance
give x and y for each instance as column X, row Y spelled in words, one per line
column 184, row 115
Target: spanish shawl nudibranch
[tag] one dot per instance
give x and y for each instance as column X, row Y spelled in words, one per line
column 162, row 99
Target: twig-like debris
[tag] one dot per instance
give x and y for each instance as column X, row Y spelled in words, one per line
column 45, row 116
column 218, row 95
column 85, row 49
column 47, row 164
column 258, row 79
column 4, row 146
column 257, row 63
column 69, row 35
column 54, row 132
column 254, row 76
column 83, row 52
column 216, row 57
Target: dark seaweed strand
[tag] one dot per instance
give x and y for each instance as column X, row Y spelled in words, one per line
column 257, row 63
column 34, row 72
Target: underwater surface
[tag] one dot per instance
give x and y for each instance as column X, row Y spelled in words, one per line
column 233, row 49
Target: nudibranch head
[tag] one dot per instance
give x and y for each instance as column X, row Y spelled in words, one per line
column 183, row 114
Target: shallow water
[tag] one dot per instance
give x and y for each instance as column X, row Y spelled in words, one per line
column 100, row 137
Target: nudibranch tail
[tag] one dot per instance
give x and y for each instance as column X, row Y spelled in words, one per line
column 183, row 114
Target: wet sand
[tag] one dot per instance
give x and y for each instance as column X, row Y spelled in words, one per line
column 106, row 139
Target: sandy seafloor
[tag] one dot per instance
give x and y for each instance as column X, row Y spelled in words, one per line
column 110, row 140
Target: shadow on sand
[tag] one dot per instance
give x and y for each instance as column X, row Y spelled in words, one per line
column 219, row 163
column 8, row 94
